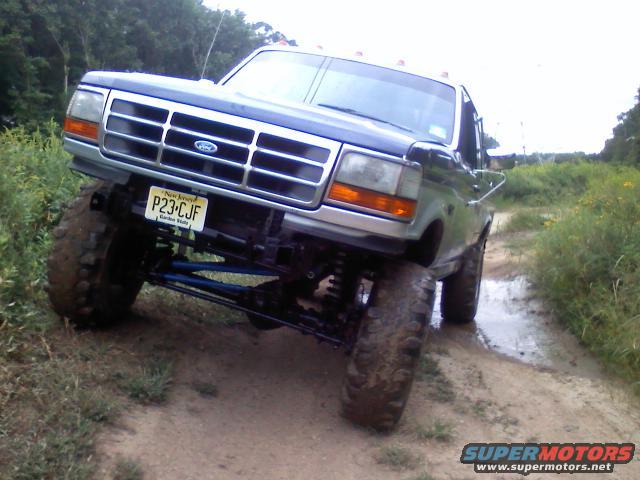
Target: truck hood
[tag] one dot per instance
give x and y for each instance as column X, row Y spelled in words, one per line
column 319, row 121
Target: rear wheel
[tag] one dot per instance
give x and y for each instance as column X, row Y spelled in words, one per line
column 461, row 291
column 388, row 346
column 93, row 268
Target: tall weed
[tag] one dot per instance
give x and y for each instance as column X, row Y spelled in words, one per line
column 35, row 182
column 549, row 184
column 587, row 265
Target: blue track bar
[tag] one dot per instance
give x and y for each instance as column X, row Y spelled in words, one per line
column 202, row 282
column 220, row 267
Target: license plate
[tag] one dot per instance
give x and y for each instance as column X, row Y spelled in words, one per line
column 176, row 208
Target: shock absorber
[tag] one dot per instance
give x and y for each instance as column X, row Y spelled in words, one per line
column 342, row 286
column 334, row 295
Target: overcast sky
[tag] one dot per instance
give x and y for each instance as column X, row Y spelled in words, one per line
column 564, row 69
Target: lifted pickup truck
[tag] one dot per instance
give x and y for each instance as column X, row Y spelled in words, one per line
column 347, row 186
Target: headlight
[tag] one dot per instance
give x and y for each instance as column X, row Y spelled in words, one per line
column 86, row 105
column 369, row 172
column 84, row 114
column 375, row 183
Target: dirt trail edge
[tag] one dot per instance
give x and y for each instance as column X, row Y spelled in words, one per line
column 274, row 415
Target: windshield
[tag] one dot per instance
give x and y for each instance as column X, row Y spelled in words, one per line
column 405, row 101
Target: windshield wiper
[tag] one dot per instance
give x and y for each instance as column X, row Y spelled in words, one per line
column 351, row 111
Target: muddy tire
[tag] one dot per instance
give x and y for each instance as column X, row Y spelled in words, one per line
column 461, row 291
column 93, row 268
column 392, row 331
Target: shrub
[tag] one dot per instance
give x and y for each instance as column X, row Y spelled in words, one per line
column 50, row 403
column 587, row 266
column 548, row 184
column 524, row 220
column 34, row 184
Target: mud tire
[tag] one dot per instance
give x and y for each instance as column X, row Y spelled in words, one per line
column 461, row 291
column 93, row 268
column 389, row 342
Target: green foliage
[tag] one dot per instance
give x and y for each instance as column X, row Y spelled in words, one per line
column 397, row 457
column 587, row 266
column 34, row 185
column 524, row 220
column 624, row 146
column 489, row 142
column 50, row 405
column 46, row 47
column 440, row 431
column 439, row 387
column 150, row 384
column 53, row 402
column 549, row 184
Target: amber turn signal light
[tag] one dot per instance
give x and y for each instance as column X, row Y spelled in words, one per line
column 81, row 128
column 401, row 207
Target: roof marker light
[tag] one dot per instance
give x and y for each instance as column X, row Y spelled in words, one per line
column 401, row 63
column 283, row 42
column 358, row 53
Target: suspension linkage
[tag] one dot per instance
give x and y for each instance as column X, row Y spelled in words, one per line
column 234, row 305
column 219, row 267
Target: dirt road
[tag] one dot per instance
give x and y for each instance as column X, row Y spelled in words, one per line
column 513, row 377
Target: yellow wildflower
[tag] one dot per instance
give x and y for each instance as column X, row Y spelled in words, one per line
column 627, row 184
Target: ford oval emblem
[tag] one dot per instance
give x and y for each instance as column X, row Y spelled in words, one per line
column 206, row 147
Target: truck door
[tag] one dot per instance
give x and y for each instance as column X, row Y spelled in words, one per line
column 469, row 183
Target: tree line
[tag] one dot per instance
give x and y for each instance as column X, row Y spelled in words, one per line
column 624, row 146
column 46, row 46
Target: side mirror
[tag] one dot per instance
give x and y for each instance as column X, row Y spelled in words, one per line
column 430, row 155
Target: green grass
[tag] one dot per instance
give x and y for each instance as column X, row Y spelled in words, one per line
column 52, row 399
column 150, row 383
column 57, row 387
column 524, row 220
column 440, row 431
column 550, row 184
column 587, row 267
column 397, row 457
column 34, row 185
column 439, row 387
column 586, row 256
column 479, row 407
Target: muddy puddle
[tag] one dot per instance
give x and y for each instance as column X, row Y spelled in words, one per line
column 512, row 322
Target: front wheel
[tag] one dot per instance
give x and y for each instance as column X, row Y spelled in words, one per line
column 461, row 291
column 388, row 346
column 93, row 268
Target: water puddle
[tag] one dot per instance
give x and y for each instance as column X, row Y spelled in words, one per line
column 511, row 321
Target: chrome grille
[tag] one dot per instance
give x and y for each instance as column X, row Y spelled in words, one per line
column 252, row 157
